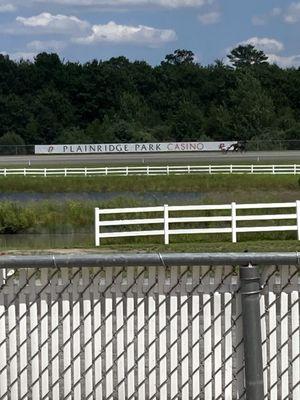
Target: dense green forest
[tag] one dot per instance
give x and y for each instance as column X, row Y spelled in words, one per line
column 51, row 100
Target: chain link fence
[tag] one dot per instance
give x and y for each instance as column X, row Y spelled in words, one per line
column 16, row 150
column 154, row 326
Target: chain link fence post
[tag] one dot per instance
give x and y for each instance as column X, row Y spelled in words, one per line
column 250, row 291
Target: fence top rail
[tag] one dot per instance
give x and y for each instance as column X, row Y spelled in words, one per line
column 200, row 207
column 129, row 210
column 148, row 259
column 266, row 205
column 194, row 208
column 155, row 167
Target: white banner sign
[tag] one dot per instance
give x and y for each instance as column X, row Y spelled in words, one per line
column 132, row 147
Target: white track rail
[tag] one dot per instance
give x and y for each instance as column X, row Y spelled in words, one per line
column 234, row 219
column 288, row 169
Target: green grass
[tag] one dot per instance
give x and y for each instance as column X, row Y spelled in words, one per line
column 191, row 247
column 71, row 224
column 78, row 217
column 141, row 184
column 45, row 217
column 194, row 247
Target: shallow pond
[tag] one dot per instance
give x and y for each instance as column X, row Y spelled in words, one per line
column 40, row 241
column 82, row 239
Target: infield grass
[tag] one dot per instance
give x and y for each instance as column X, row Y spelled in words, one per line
column 71, row 217
column 190, row 247
column 141, row 184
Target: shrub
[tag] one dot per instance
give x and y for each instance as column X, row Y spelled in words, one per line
column 14, row 218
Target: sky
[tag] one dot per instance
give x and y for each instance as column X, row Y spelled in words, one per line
column 82, row 30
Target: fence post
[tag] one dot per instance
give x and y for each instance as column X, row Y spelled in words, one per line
column 97, row 227
column 250, row 292
column 233, row 222
column 166, row 223
column 298, row 217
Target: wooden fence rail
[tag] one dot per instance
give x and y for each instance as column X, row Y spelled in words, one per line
column 291, row 169
column 232, row 221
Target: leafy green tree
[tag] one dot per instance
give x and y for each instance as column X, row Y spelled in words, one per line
column 14, row 113
column 32, row 133
column 179, row 57
column 285, row 119
column 73, row 136
column 53, row 113
column 133, row 108
column 49, row 71
column 120, row 131
column 252, row 110
column 50, row 100
column 292, row 137
column 8, row 75
column 143, row 136
column 12, row 143
column 293, row 133
column 218, row 123
column 270, row 139
column 188, row 122
column 96, row 130
column 246, row 55
column 161, row 133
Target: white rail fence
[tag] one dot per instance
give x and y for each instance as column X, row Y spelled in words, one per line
column 142, row 333
column 230, row 223
column 292, row 169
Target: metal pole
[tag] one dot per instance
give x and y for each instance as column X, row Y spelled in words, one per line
column 250, row 290
column 146, row 259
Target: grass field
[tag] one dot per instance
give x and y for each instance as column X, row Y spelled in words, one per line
column 192, row 247
column 77, row 217
column 176, row 183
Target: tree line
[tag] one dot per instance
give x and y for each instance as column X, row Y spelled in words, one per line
column 50, row 100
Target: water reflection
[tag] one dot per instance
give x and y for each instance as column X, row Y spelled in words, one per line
column 40, row 241
column 66, row 238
